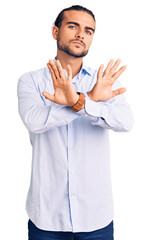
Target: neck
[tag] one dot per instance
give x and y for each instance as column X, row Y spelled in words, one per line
column 65, row 59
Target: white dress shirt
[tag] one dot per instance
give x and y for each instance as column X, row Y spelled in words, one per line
column 70, row 187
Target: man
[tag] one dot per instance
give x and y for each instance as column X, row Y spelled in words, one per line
column 68, row 109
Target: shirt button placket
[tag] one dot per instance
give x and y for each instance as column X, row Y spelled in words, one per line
column 72, row 176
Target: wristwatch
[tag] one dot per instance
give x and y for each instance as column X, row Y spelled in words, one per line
column 80, row 103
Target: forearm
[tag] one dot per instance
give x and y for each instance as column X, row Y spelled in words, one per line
column 105, row 102
column 40, row 119
column 36, row 114
column 114, row 114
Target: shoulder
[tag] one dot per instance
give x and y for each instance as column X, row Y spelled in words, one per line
column 36, row 74
column 36, row 77
column 33, row 79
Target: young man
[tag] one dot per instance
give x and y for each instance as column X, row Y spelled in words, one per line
column 68, row 109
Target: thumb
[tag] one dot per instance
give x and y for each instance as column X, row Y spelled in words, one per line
column 119, row 91
column 48, row 96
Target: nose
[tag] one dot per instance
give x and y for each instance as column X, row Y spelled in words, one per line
column 80, row 35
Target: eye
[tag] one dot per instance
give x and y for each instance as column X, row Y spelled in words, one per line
column 88, row 32
column 72, row 27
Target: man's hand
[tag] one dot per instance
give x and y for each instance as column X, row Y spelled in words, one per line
column 65, row 93
column 102, row 90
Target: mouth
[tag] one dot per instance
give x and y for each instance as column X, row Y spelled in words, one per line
column 78, row 43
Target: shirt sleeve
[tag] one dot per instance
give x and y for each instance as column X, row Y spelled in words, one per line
column 35, row 114
column 114, row 114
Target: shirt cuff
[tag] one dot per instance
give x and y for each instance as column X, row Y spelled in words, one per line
column 92, row 110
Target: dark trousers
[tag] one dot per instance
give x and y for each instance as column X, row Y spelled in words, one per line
column 35, row 233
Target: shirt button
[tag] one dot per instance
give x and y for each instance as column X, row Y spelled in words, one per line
column 71, row 148
column 71, row 126
column 67, row 120
column 72, row 195
column 86, row 115
column 72, row 171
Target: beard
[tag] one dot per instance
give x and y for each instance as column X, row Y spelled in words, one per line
column 69, row 51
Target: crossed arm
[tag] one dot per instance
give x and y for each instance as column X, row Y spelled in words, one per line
column 103, row 106
column 65, row 93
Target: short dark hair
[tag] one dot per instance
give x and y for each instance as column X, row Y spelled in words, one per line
column 60, row 17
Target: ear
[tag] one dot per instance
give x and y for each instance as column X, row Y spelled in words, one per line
column 55, row 31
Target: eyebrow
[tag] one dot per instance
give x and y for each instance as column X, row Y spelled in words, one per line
column 77, row 24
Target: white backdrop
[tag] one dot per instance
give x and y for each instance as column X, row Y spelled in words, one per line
column 122, row 31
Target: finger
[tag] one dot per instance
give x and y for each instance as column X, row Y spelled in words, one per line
column 51, row 72
column 48, row 96
column 118, row 73
column 99, row 75
column 118, row 91
column 60, row 70
column 69, row 72
column 115, row 66
column 108, row 67
column 54, row 68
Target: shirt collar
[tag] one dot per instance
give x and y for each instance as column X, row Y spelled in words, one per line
column 86, row 69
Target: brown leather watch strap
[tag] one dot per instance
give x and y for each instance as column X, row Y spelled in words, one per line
column 79, row 104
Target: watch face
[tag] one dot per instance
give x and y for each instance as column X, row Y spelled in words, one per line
column 78, row 93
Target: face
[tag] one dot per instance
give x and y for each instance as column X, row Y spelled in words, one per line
column 75, row 34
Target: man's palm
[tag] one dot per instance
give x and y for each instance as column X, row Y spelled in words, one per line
column 102, row 90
